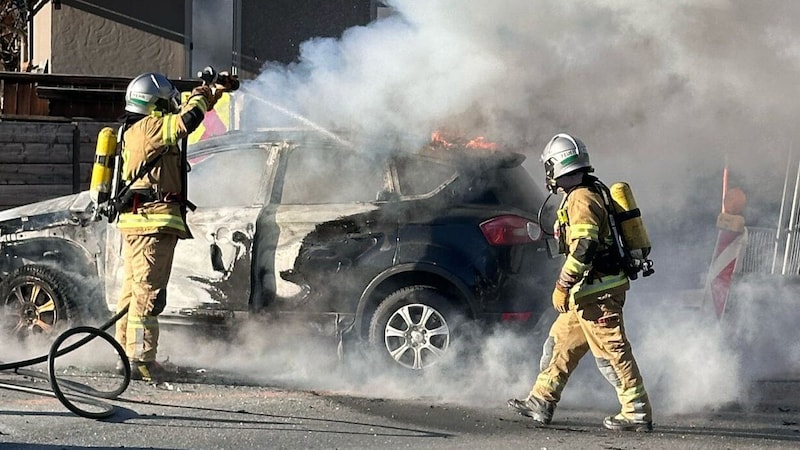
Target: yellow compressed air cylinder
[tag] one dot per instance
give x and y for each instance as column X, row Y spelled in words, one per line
column 102, row 170
column 634, row 233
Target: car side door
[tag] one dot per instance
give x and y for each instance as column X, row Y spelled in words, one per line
column 323, row 223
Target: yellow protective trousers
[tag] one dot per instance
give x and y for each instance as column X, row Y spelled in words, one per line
column 148, row 263
column 598, row 327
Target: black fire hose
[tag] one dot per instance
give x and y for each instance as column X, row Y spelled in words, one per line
column 85, row 394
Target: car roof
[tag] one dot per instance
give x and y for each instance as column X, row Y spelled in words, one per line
column 456, row 154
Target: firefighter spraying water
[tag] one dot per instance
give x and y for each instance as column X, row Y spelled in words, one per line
column 138, row 180
column 146, row 194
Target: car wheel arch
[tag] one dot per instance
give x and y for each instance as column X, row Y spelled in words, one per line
column 62, row 252
column 404, row 275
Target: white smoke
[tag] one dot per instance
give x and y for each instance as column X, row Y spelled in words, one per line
column 664, row 94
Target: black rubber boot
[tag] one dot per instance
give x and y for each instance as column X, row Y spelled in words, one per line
column 620, row 423
column 148, row 371
column 539, row 410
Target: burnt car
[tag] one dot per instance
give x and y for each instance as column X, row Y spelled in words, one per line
column 392, row 248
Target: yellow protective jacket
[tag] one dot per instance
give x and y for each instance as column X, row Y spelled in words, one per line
column 160, row 212
column 587, row 239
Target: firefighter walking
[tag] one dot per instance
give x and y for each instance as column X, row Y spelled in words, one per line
column 589, row 295
column 152, row 216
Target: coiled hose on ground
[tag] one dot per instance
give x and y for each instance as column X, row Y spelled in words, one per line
column 81, row 393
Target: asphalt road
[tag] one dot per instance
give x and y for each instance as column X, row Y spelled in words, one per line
column 275, row 390
column 214, row 412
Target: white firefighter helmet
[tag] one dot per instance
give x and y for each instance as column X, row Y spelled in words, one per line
column 151, row 92
column 564, row 154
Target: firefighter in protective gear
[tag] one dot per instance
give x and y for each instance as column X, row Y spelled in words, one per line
column 589, row 296
column 152, row 219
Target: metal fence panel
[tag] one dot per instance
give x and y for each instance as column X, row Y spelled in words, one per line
column 767, row 253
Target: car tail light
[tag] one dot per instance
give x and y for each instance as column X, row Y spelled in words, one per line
column 510, row 230
column 520, row 317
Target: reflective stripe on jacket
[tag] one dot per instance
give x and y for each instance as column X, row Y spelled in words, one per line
column 132, row 222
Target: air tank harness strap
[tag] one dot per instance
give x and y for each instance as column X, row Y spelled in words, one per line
column 622, row 216
column 141, row 196
column 612, row 219
column 606, row 262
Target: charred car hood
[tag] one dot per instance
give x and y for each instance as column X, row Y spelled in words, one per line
column 58, row 211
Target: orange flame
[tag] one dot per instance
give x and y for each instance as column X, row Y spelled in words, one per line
column 480, row 142
column 438, row 139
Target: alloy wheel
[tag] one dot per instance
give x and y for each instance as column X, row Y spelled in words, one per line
column 416, row 336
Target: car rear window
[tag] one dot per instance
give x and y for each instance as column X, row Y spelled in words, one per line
column 508, row 186
column 492, row 185
column 418, row 176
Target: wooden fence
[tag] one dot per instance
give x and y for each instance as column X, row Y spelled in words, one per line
column 41, row 160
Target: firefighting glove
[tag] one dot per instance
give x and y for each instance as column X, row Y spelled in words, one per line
column 561, row 298
column 211, row 95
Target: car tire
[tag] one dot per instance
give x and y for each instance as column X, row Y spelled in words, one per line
column 37, row 299
column 413, row 327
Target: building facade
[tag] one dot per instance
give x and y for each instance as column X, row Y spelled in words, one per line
column 180, row 37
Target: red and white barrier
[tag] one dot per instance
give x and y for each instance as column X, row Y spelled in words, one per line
column 731, row 242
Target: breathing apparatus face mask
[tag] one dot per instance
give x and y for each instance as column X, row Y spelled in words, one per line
column 168, row 105
column 550, row 181
column 175, row 102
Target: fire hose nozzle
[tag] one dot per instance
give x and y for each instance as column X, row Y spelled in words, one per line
column 210, row 76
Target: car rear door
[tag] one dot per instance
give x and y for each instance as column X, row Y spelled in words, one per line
column 324, row 224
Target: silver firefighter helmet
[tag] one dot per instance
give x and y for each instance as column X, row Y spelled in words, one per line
column 564, row 154
column 150, row 92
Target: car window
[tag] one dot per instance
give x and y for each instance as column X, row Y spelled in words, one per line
column 228, row 178
column 515, row 186
column 475, row 184
column 417, row 176
column 508, row 186
column 318, row 175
